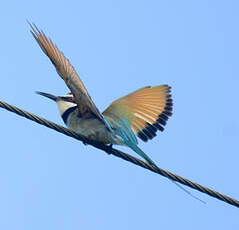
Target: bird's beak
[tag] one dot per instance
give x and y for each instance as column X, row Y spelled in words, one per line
column 52, row 97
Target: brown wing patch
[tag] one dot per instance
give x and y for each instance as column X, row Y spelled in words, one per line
column 67, row 73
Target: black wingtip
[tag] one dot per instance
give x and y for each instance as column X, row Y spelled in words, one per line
column 150, row 130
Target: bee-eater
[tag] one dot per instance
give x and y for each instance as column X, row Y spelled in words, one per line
column 141, row 113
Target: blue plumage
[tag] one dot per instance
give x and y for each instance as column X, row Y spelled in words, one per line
column 129, row 138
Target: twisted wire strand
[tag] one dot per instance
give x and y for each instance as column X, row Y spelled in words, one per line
column 119, row 154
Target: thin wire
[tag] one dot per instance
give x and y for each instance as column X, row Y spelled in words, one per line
column 120, row 154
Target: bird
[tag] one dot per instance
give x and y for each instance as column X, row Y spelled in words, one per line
column 140, row 114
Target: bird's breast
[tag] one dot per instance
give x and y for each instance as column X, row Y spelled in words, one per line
column 93, row 129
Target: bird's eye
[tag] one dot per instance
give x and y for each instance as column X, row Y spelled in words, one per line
column 71, row 99
column 68, row 99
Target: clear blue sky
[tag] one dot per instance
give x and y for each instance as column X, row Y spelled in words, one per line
column 50, row 181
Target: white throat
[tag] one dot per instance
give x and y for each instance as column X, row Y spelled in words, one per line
column 64, row 105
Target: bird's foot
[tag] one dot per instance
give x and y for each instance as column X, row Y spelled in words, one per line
column 110, row 146
column 84, row 142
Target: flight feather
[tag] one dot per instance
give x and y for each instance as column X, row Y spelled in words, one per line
column 67, row 72
column 147, row 110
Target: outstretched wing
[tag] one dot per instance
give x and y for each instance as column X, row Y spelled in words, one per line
column 67, row 72
column 147, row 110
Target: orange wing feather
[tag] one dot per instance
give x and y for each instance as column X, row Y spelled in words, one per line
column 146, row 109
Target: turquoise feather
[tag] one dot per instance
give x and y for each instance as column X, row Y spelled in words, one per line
column 140, row 152
column 129, row 138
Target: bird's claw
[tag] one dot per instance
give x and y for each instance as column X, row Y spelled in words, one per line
column 110, row 146
column 84, row 142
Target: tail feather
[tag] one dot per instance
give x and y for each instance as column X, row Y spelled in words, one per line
column 136, row 149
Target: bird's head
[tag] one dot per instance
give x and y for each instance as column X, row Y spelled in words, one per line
column 64, row 102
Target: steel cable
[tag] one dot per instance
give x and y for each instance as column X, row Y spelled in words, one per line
column 120, row 154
